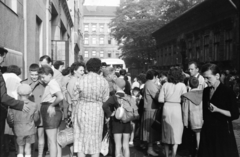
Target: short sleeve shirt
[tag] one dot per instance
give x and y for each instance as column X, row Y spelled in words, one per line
column 51, row 88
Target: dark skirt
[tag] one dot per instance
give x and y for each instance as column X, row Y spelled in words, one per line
column 50, row 122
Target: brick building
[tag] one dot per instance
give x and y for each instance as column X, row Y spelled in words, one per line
column 208, row 32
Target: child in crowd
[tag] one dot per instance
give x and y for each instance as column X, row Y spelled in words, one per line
column 120, row 130
column 50, row 109
column 137, row 97
column 24, row 123
column 37, row 92
column 192, row 108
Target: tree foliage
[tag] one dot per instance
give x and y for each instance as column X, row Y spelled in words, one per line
column 136, row 21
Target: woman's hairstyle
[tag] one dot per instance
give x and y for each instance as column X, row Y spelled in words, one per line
column 76, row 65
column 34, row 67
column 48, row 59
column 66, row 71
column 209, row 66
column 175, row 75
column 57, row 64
column 141, row 77
column 14, row 69
column 45, row 70
column 93, row 65
column 150, row 74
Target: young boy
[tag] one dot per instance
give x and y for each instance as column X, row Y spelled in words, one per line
column 37, row 92
column 192, row 108
column 24, row 123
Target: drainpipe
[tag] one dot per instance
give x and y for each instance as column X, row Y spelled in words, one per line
column 25, row 37
column 47, row 28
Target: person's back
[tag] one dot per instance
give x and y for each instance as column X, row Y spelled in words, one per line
column 24, row 122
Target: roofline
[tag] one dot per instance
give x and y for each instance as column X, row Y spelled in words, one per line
column 185, row 12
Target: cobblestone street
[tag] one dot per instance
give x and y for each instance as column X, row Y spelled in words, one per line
column 139, row 153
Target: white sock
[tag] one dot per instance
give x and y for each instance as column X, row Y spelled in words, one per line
column 27, row 155
column 20, row 155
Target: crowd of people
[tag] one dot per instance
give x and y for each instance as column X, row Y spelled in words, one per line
column 96, row 102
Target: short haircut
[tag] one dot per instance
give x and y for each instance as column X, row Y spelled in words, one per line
column 34, row 67
column 94, row 65
column 195, row 63
column 136, row 89
column 117, row 74
column 150, row 74
column 14, row 69
column 57, row 64
column 66, row 71
column 48, row 59
column 45, row 70
column 3, row 51
column 75, row 66
column 193, row 82
column 213, row 67
column 141, row 77
column 156, row 74
column 103, row 64
column 123, row 72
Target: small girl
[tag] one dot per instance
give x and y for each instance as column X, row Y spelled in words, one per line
column 50, row 109
column 23, row 123
column 137, row 97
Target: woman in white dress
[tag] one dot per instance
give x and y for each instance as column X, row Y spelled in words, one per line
column 170, row 95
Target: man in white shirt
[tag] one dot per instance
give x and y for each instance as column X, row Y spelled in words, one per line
column 194, row 72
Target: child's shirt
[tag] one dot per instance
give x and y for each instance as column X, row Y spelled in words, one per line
column 37, row 90
column 23, row 123
column 51, row 88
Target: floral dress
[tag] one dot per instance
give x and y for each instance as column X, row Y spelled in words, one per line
column 90, row 92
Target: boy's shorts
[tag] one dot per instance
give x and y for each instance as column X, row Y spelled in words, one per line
column 22, row 140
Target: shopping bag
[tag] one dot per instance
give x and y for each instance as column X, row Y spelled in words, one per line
column 105, row 145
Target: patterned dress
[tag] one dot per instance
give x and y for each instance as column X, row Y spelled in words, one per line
column 91, row 91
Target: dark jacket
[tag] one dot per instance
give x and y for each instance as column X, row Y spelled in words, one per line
column 217, row 136
column 6, row 100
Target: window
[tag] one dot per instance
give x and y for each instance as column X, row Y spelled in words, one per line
column 189, row 46
column 86, row 41
column 94, row 40
column 206, row 54
column 94, row 27
column 109, row 40
column 38, row 37
column 228, row 45
column 216, row 45
column 117, row 54
column 109, row 54
column 101, row 29
column 86, row 27
column 12, row 4
column 93, row 53
column 101, row 40
column 101, row 54
column 198, row 49
column 86, row 54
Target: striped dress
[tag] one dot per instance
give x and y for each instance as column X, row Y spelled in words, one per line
column 91, row 91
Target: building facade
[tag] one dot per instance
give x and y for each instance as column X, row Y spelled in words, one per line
column 97, row 39
column 208, row 32
column 76, row 47
column 30, row 29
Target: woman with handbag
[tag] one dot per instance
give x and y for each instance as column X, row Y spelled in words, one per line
column 172, row 124
column 90, row 91
column 120, row 128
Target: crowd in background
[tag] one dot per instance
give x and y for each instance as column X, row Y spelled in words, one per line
column 88, row 97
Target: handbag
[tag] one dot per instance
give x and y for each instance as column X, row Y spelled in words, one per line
column 105, row 145
column 65, row 137
column 157, row 123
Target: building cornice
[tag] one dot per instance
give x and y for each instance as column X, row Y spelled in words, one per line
column 66, row 10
